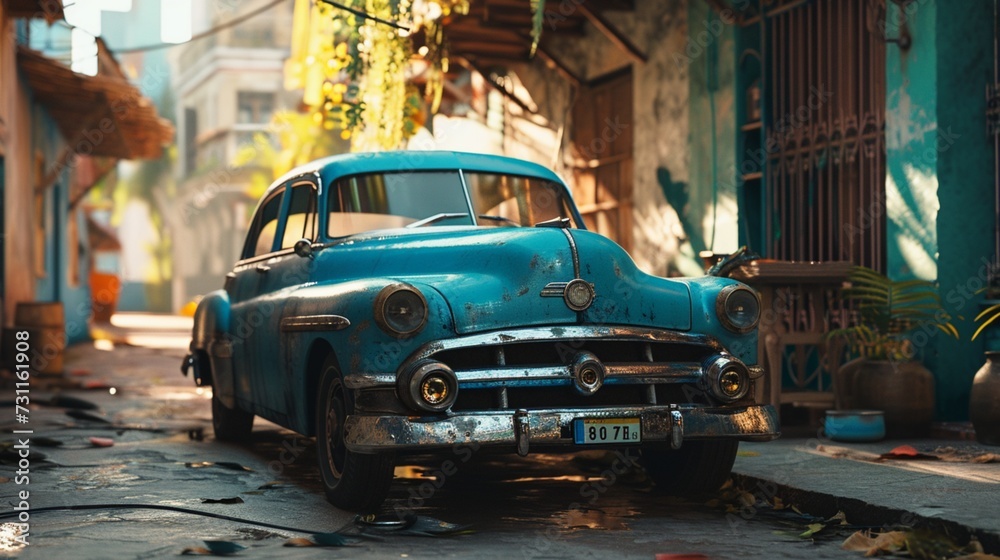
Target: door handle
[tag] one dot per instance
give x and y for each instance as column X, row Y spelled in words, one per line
column 263, row 269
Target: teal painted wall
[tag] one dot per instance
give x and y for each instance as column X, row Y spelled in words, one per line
column 710, row 217
column 965, row 188
column 939, row 181
column 55, row 285
column 911, row 137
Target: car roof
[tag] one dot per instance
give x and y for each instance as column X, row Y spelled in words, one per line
column 332, row 167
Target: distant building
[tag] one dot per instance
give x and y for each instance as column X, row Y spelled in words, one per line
column 60, row 132
column 227, row 87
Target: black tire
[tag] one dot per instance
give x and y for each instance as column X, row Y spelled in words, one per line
column 353, row 481
column 230, row 424
column 697, row 468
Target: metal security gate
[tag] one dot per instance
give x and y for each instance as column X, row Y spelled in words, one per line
column 824, row 135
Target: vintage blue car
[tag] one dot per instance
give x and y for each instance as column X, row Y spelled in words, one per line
column 414, row 302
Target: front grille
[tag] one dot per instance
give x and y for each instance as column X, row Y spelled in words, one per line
column 535, row 374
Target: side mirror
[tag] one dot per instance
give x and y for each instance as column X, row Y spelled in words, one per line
column 304, row 248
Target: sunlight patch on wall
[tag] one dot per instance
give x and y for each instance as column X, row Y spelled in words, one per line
column 913, row 209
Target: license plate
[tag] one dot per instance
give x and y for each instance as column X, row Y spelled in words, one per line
column 607, row 430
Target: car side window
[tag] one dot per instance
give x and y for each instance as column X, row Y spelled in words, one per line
column 260, row 241
column 302, row 216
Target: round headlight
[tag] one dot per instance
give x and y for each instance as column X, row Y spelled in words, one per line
column 738, row 308
column 400, row 310
column 579, row 294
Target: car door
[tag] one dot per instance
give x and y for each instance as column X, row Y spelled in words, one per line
column 271, row 372
column 250, row 315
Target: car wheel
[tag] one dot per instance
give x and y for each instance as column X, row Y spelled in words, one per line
column 353, row 481
column 230, row 424
column 698, row 467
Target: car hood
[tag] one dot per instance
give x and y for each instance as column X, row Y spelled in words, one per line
column 492, row 278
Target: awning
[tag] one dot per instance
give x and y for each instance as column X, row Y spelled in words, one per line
column 51, row 10
column 101, row 115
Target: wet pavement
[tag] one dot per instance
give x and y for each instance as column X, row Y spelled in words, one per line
column 146, row 495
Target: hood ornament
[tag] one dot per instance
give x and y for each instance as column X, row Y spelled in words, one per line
column 578, row 294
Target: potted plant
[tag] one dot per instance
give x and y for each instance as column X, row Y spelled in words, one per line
column 891, row 319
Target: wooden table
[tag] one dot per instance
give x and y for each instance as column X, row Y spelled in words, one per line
column 800, row 303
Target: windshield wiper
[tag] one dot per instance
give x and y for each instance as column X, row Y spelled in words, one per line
column 554, row 222
column 498, row 219
column 437, row 218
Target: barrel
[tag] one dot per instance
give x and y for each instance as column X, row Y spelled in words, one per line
column 46, row 326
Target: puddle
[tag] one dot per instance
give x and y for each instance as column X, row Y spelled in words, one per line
column 10, row 535
column 103, row 476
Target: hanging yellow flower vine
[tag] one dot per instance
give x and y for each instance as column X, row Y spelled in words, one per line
column 353, row 68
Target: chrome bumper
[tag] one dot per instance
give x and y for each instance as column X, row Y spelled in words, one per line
column 520, row 429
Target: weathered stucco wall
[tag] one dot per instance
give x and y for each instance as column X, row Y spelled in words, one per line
column 712, row 216
column 660, row 117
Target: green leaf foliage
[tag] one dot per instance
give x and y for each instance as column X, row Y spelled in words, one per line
column 887, row 311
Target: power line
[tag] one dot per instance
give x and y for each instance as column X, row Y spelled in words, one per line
column 222, row 26
column 365, row 15
column 231, row 23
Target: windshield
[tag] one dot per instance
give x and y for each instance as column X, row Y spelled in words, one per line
column 413, row 199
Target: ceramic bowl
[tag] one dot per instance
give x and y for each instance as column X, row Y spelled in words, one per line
column 854, row 425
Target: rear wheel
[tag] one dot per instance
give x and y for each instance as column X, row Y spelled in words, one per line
column 353, row 481
column 698, row 467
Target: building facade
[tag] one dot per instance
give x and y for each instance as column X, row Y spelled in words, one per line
column 227, row 86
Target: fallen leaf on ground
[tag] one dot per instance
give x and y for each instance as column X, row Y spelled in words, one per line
column 236, row 500
column 4, row 480
column 299, row 541
column 873, row 545
column 748, row 454
column 196, row 551
column 907, row 452
column 841, row 517
column 811, row 530
column 101, row 442
column 224, row 547
column 96, row 384
column 221, row 464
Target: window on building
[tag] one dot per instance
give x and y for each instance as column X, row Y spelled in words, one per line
column 822, row 152
column 254, row 107
column 602, row 155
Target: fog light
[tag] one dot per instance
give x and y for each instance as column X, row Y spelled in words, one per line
column 428, row 386
column 731, row 383
column 434, row 390
column 728, row 379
